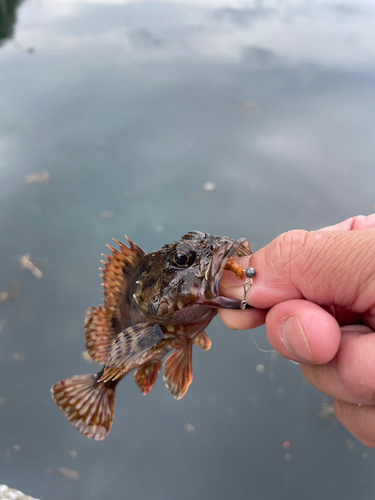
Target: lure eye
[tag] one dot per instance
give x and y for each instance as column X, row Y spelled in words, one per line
column 183, row 258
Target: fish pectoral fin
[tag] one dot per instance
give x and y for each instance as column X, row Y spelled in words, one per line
column 99, row 333
column 87, row 404
column 132, row 347
column 145, row 376
column 178, row 370
column 203, row 341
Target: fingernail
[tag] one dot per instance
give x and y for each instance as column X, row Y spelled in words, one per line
column 294, row 339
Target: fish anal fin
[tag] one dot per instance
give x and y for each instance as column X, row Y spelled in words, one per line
column 117, row 271
column 178, row 370
column 203, row 341
column 132, row 347
column 145, row 376
column 88, row 405
column 99, row 333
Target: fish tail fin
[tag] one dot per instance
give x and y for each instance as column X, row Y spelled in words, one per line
column 87, row 404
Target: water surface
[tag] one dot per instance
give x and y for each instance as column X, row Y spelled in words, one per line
column 131, row 107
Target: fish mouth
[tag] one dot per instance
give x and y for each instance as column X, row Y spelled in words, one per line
column 228, row 249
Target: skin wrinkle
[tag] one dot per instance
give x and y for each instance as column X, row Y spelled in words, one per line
column 352, row 389
column 331, row 271
column 293, row 244
column 365, row 285
column 304, row 270
column 369, row 318
column 277, row 274
column 286, row 246
column 334, row 272
column 364, row 282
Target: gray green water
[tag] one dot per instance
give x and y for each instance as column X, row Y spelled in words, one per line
column 131, row 107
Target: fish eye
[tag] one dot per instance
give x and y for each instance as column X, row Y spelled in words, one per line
column 183, row 258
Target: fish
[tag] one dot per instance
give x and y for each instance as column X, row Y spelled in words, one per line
column 155, row 304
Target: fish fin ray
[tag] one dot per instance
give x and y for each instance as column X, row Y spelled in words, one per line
column 145, row 376
column 178, row 370
column 117, row 271
column 203, row 341
column 131, row 348
column 88, row 405
column 99, row 333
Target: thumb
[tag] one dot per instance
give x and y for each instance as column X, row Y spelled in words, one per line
column 325, row 267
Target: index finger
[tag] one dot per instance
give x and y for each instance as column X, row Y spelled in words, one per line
column 325, row 267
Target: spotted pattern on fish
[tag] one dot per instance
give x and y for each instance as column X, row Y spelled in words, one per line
column 155, row 305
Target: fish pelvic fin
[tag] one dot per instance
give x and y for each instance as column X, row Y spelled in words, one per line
column 117, row 271
column 99, row 333
column 145, row 376
column 87, row 404
column 178, row 370
column 132, row 347
column 203, row 341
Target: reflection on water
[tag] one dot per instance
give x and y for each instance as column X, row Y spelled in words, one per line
column 153, row 119
column 8, row 17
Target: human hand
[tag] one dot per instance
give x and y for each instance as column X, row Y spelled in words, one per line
column 315, row 291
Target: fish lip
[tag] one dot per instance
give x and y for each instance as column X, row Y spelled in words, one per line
column 219, row 261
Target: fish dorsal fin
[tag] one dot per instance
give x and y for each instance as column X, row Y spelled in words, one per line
column 203, row 341
column 117, row 271
column 132, row 347
column 99, row 333
column 145, row 376
column 178, row 370
column 87, row 405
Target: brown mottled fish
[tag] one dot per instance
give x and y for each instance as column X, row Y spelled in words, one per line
column 153, row 303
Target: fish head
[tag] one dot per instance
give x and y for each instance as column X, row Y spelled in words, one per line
column 174, row 283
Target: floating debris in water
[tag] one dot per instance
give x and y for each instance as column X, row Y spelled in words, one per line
column 73, row 453
column 2, row 324
column 365, row 456
column 288, row 457
column 106, row 214
column 253, row 400
column 10, row 494
column 195, row 195
column 16, row 447
column 2, row 401
column 36, row 178
column 209, row 186
column 260, row 368
column 326, row 411
column 18, row 357
column 349, row 444
column 248, row 108
column 159, row 228
column 13, row 294
column 26, row 263
column 286, row 445
column 72, row 475
column 190, row 428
